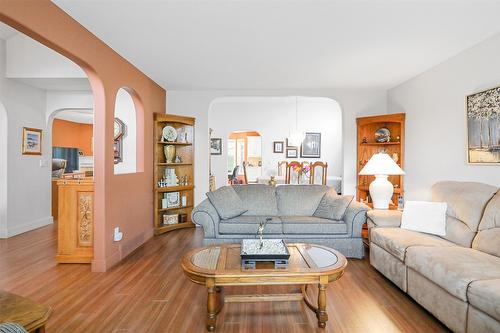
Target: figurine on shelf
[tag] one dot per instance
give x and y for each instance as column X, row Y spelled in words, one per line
column 365, row 140
column 395, row 157
column 170, row 177
column 180, row 135
column 178, row 159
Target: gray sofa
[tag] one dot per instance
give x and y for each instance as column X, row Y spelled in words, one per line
column 455, row 277
column 291, row 208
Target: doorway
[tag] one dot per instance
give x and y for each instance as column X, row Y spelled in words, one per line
column 49, row 106
column 244, row 157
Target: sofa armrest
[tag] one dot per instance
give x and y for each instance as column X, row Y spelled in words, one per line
column 206, row 216
column 355, row 217
column 384, row 218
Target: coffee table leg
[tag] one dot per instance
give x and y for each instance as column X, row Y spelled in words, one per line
column 321, row 312
column 211, row 305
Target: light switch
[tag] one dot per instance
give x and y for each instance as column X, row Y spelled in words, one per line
column 43, row 163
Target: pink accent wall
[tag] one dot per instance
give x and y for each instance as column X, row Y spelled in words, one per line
column 120, row 200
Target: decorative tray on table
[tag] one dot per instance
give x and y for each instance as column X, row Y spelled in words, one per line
column 270, row 250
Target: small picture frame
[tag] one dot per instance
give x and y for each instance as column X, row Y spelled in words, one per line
column 292, row 152
column 278, row 147
column 173, row 199
column 32, row 141
column 169, row 219
column 216, row 146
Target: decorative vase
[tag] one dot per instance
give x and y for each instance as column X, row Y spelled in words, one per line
column 169, row 151
column 272, row 181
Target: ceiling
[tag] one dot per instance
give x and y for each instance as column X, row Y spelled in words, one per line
column 286, row 44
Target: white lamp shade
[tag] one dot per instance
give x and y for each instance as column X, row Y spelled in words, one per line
column 381, row 164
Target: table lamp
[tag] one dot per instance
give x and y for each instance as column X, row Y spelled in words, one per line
column 381, row 166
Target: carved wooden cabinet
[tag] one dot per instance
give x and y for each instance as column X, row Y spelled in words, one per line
column 75, row 224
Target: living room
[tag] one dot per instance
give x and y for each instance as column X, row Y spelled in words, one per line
column 404, row 241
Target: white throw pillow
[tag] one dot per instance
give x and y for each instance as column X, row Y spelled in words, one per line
column 423, row 216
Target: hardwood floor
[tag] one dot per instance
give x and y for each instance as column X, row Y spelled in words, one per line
column 149, row 293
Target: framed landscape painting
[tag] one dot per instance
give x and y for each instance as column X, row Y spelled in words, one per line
column 32, row 141
column 483, row 127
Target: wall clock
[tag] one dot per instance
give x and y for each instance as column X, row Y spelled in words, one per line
column 118, row 133
column 119, row 129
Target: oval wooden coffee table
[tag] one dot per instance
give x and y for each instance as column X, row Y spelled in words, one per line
column 220, row 265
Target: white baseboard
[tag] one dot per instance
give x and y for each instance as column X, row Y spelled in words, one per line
column 32, row 225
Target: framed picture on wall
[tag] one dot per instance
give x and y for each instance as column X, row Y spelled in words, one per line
column 278, row 147
column 216, row 146
column 311, row 146
column 292, row 152
column 32, row 141
column 483, row 127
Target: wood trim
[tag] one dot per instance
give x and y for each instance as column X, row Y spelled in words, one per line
column 263, row 298
column 174, row 118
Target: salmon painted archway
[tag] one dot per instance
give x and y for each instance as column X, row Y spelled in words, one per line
column 124, row 201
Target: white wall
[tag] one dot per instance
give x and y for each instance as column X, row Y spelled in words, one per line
column 3, row 171
column 353, row 102
column 273, row 118
column 68, row 100
column 125, row 111
column 25, row 181
column 26, row 58
column 436, row 131
column 28, row 183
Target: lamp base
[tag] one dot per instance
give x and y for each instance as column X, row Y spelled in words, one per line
column 381, row 191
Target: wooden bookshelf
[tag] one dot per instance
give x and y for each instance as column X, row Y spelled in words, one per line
column 185, row 150
column 367, row 146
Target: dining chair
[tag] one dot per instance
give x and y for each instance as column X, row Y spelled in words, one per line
column 313, row 173
column 291, row 170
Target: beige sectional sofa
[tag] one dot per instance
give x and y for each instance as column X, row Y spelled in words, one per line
column 455, row 277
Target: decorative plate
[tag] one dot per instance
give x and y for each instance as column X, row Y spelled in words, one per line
column 383, row 135
column 169, row 133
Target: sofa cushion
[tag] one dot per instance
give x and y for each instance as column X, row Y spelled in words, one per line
column 259, row 199
column 466, row 202
column 333, row 206
column 304, row 225
column 299, row 200
column 396, row 241
column 485, row 296
column 248, row 225
column 425, row 216
column 226, row 202
column 488, row 237
column 453, row 268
